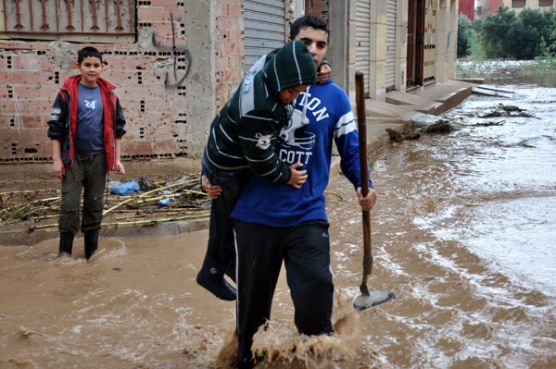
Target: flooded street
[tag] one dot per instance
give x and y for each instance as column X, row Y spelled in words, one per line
column 463, row 233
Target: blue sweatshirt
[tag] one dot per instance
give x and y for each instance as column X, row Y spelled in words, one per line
column 307, row 140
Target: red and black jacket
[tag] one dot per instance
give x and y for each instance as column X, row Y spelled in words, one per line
column 62, row 125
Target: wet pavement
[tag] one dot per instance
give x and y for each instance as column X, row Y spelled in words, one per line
column 463, row 233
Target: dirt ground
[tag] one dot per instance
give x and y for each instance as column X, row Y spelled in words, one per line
column 18, row 177
column 34, row 186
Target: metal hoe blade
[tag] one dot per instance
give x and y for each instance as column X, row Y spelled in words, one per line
column 374, row 298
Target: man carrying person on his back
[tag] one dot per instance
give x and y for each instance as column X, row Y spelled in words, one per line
column 275, row 223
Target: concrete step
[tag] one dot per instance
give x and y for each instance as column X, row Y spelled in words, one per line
column 420, row 103
column 376, row 108
column 433, row 99
column 449, row 93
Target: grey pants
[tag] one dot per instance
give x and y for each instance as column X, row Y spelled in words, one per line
column 89, row 173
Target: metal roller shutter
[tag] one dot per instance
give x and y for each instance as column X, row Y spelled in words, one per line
column 264, row 22
column 363, row 41
column 390, row 72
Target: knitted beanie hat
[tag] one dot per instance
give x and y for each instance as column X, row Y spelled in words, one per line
column 293, row 65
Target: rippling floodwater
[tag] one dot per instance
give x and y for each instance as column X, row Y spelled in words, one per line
column 464, row 234
column 507, row 173
column 478, row 207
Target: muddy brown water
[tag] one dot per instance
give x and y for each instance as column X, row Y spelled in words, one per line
column 463, row 233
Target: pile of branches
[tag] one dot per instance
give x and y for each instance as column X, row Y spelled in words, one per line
column 165, row 201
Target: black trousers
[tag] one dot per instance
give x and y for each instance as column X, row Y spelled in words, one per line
column 221, row 250
column 305, row 250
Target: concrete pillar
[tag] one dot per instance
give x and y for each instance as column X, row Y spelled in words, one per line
column 200, row 18
column 339, row 43
column 442, row 41
column 294, row 10
column 377, row 84
column 452, row 27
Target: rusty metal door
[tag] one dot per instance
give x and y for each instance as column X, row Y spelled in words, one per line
column 415, row 42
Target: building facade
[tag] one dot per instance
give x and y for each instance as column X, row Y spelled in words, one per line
column 176, row 62
column 467, row 8
column 491, row 6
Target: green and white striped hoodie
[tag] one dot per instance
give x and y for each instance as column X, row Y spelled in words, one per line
column 244, row 132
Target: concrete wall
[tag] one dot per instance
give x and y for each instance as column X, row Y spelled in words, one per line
column 378, row 53
column 169, row 100
column 446, row 42
column 440, row 33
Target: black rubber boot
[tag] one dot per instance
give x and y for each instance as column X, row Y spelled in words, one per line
column 66, row 244
column 91, row 242
column 213, row 280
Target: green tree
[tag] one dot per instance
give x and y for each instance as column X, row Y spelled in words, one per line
column 464, row 29
column 529, row 34
column 550, row 50
column 526, row 34
column 495, row 31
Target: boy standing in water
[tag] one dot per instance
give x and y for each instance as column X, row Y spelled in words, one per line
column 242, row 140
column 86, row 127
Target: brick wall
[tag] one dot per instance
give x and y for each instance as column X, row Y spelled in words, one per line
column 152, row 77
column 229, row 42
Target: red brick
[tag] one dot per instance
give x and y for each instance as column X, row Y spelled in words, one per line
column 235, row 36
column 34, row 92
column 136, row 147
column 12, row 77
column 64, row 75
column 8, row 106
column 163, row 30
column 32, row 62
column 22, row 45
column 235, row 8
column 23, row 138
column 34, row 121
column 152, row 14
column 30, row 107
column 228, row 7
column 119, row 77
column 170, row 5
column 5, row 120
column 127, row 63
